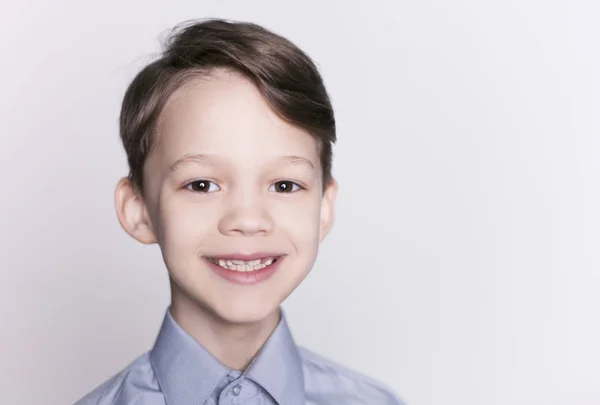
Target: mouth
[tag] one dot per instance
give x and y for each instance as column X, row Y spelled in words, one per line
column 244, row 266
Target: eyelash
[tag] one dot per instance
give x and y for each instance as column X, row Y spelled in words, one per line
column 188, row 186
column 298, row 186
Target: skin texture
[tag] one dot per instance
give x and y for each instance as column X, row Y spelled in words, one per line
column 248, row 154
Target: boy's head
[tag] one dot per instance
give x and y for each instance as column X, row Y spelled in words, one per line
column 229, row 137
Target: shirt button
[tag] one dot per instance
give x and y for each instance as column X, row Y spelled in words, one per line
column 236, row 390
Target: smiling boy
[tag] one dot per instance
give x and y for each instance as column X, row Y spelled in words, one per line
column 228, row 137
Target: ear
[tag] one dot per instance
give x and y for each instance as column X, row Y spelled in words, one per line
column 132, row 212
column 327, row 209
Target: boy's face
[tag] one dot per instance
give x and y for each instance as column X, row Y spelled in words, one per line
column 228, row 177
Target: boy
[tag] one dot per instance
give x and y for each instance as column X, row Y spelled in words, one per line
column 228, row 137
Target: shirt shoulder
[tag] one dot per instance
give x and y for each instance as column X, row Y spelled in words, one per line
column 329, row 382
column 134, row 385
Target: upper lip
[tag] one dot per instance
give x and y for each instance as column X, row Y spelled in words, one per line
column 244, row 256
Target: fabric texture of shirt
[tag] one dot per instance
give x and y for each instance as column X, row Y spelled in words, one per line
column 179, row 371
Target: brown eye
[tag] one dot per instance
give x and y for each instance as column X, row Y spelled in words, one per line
column 202, row 186
column 284, row 186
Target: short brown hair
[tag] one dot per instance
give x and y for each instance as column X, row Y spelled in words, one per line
column 286, row 77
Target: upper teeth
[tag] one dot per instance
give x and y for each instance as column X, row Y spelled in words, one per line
column 241, row 265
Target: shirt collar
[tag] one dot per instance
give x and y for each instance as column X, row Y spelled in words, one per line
column 278, row 367
column 187, row 371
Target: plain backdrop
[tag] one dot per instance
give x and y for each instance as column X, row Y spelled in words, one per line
column 464, row 266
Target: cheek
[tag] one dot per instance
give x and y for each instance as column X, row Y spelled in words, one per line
column 183, row 227
column 300, row 221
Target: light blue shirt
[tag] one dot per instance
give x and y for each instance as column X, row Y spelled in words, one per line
column 179, row 371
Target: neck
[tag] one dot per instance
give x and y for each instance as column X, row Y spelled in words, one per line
column 233, row 344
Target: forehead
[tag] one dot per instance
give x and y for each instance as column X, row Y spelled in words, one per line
column 225, row 114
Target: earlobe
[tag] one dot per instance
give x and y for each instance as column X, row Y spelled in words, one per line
column 132, row 212
column 328, row 209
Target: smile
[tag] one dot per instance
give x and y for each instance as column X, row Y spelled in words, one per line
column 244, row 265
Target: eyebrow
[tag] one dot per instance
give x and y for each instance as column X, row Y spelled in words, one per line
column 297, row 160
column 210, row 160
column 199, row 159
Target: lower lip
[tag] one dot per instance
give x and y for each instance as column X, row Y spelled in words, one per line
column 246, row 277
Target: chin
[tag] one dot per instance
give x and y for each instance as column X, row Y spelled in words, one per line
column 241, row 306
column 244, row 312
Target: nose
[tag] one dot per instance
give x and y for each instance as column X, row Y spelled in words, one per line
column 246, row 217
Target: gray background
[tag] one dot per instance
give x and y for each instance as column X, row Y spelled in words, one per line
column 464, row 265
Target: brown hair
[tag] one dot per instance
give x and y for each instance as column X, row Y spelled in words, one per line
column 287, row 78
